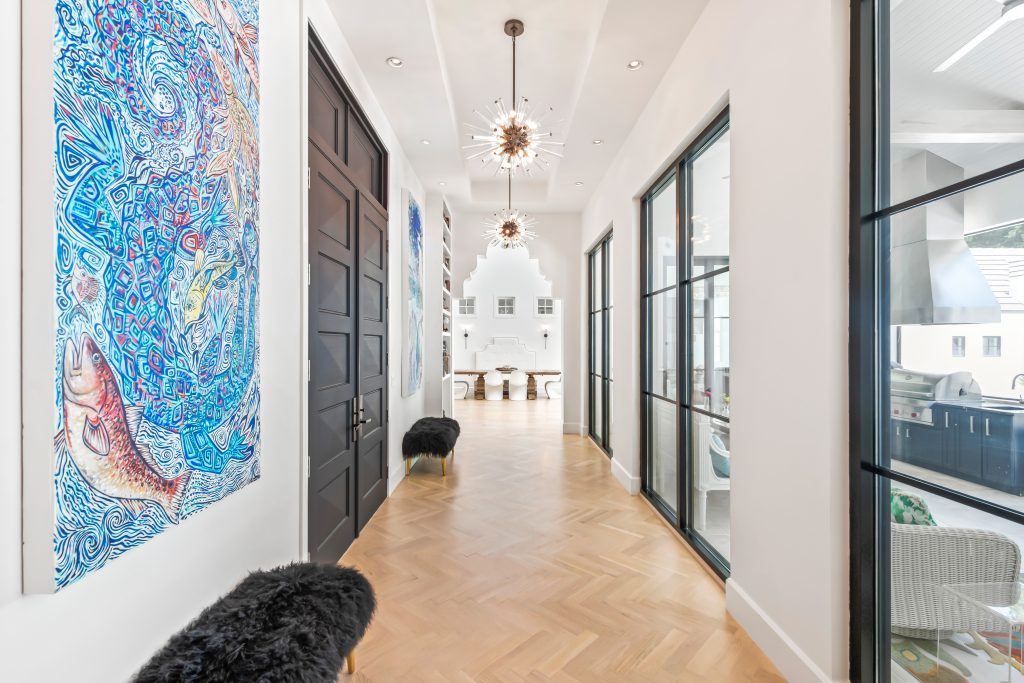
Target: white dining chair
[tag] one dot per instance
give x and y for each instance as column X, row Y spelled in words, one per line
column 706, row 478
column 494, row 386
column 517, row 386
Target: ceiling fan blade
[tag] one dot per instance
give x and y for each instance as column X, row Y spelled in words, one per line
column 973, row 43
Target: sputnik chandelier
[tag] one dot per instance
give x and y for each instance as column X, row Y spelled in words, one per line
column 511, row 138
column 510, row 228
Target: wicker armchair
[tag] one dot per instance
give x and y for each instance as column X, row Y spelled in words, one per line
column 925, row 558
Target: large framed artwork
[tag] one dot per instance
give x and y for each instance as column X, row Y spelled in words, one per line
column 412, row 290
column 156, row 298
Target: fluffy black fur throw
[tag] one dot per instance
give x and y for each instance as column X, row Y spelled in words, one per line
column 431, row 436
column 294, row 623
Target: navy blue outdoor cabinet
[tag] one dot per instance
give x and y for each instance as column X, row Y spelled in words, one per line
column 980, row 443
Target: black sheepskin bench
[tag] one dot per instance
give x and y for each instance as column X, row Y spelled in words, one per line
column 431, row 437
column 299, row 622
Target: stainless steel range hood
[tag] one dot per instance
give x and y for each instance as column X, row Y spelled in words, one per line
column 935, row 278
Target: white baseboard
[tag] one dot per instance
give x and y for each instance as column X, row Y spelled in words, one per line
column 574, row 428
column 627, row 480
column 396, row 477
column 792, row 662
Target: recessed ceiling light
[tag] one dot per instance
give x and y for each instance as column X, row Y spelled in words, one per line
column 424, row 142
column 394, row 62
column 597, row 141
column 442, row 183
column 634, row 65
column 579, row 183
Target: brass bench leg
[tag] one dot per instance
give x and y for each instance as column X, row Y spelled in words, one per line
column 351, row 661
column 444, row 460
column 408, row 467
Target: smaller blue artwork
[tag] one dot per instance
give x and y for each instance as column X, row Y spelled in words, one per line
column 412, row 340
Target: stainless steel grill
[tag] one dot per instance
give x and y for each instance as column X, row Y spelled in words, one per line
column 914, row 393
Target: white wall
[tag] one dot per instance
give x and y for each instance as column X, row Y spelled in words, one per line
column 783, row 68
column 105, row 626
column 509, row 272
column 557, row 250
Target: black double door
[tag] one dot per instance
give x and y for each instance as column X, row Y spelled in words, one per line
column 348, row 301
column 348, row 468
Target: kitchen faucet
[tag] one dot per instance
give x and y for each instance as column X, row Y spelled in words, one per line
column 1013, row 385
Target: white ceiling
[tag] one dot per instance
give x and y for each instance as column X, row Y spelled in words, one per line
column 572, row 58
column 973, row 113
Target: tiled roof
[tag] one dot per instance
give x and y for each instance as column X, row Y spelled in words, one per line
column 1000, row 266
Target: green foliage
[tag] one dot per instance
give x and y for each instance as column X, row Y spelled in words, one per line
column 1011, row 236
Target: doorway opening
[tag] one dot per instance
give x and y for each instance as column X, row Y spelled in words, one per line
column 508, row 342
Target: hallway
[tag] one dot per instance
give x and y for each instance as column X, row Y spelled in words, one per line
column 530, row 563
column 256, row 248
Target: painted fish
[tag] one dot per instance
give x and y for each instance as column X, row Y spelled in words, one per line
column 237, row 128
column 206, row 276
column 100, row 437
column 245, row 36
column 85, row 286
column 85, row 289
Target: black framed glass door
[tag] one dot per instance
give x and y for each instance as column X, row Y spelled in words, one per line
column 685, row 327
column 936, row 420
column 599, row 261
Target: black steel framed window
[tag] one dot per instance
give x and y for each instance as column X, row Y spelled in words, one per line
column 599, row 309
column 684, row 314
column 910, row 176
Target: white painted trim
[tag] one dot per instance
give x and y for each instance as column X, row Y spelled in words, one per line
column 793, row 662
column 627, row 480
column 395, row 479
column 304, row 360
column 574, row 428
column 38, row 276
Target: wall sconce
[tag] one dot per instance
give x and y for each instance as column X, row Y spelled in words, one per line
column 465, row 335
column 545, row 330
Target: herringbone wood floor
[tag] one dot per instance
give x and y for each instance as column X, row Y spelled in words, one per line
column 531, row 563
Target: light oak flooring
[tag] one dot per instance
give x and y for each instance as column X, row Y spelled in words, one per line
column 530, row 563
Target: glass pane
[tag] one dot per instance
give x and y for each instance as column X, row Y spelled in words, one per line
column 663, row 331
column 596, row 421
column 956, row 602
column 710, row 219
column 955, row 100
column 661, row 247
column 597, row 359
column 609, row 274
column 958, row 419
column 611, row 343
column 710, row 345
column 609, row 400
column 664, row 458
column 712, row 468
column 595, row 295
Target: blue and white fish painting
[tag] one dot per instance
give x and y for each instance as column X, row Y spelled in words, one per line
column 156, row 105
